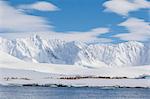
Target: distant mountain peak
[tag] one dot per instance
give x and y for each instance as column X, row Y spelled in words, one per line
column 36, row 49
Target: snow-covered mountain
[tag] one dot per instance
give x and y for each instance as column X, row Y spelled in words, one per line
column 35, row 49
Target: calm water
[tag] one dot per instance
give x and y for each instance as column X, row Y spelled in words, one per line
column 72, row 93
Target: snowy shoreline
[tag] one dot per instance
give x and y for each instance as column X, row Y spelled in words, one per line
column 87, row 82
column 69, row 86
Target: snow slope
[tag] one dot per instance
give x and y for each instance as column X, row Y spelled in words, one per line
column 20, row 72
column 11, row 62
column 36, row 50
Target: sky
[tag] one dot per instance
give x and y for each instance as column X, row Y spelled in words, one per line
column 97, row 21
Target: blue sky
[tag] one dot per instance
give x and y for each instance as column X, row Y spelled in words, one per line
column 75, row 17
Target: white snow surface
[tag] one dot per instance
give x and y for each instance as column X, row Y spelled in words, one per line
column 37, row 50
column 51, row 79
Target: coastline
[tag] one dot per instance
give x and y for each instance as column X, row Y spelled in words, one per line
column 116, row 83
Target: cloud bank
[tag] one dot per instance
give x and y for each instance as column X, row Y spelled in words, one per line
column 124, row 7
column 90, row 36
column 139, row 30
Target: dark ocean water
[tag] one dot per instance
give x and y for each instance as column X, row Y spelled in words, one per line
column 13, row 92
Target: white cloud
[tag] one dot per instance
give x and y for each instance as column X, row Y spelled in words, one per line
column 123, row 7
column 13, row 20
column 138, row 30
column 41, row 6
column 89, row 36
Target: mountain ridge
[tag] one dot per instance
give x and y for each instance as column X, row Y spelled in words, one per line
column 37, row 50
